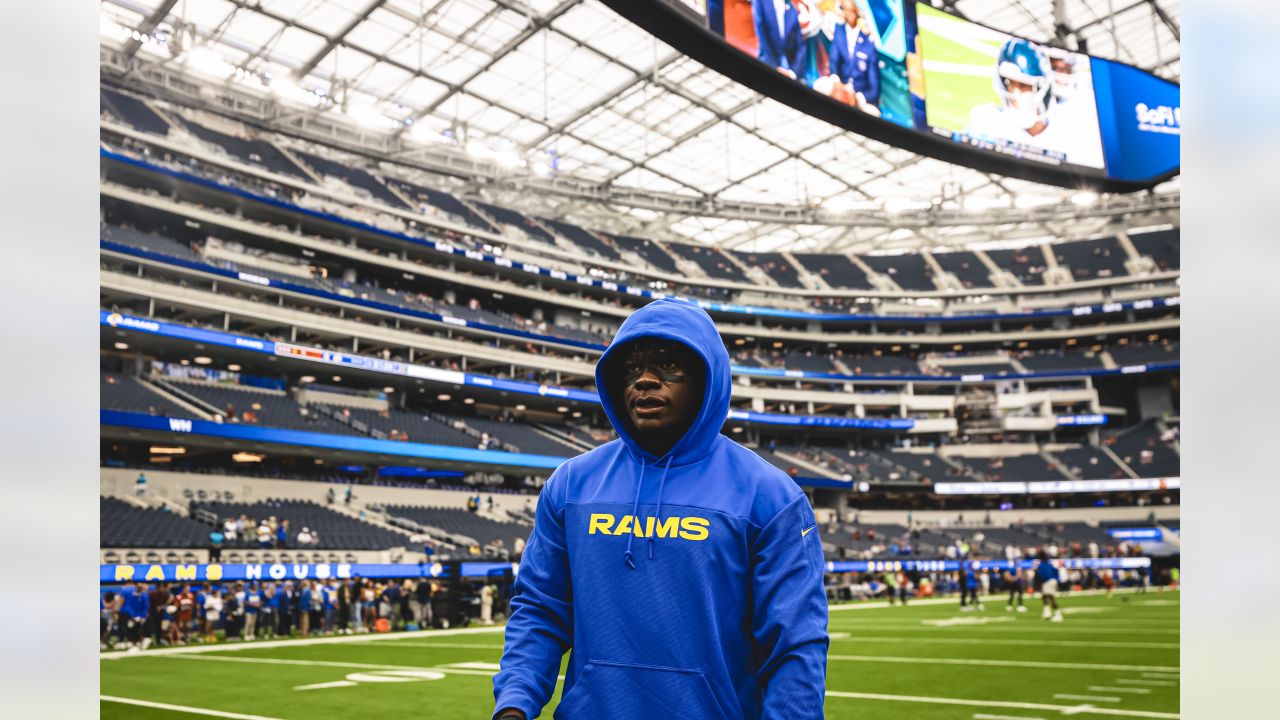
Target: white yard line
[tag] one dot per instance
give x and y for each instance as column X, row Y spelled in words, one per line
column 465, row 646
column 1163, row 674
column 1108, row 688
column 987, row 641
column 1154, row 683
column 1064, row 709
column 447, row 669
column 327, row 685
column 1085, row 698
column 984, row 716
column 992, row 663
column 182, row 708
column 300, row 642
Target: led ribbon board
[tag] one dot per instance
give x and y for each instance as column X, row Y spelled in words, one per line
column 909, row 75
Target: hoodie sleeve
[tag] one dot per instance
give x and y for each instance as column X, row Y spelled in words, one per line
column 789, row 615
column 540, row 629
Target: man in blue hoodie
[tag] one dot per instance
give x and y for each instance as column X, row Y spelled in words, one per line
column 682, row 570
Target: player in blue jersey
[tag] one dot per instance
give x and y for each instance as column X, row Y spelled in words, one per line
column 1013, row 580
column 1047, row 580
column 682, row 570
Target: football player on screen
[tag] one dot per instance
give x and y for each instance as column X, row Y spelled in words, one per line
column 1024, row 86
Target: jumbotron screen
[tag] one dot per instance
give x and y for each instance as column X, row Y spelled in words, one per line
column 996, row 101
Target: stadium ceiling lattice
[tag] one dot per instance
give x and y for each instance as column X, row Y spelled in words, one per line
column 568, row 87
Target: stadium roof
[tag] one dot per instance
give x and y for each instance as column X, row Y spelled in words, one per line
column 568, row 88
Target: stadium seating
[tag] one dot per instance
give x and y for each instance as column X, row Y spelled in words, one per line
column 122, row 525
column 651, row 250
column 711, row 260
column 511, row 218
column 1141, row 448
column 452, row 208
column 353, row 176
column 1090, row 463
column 583, row 239
column 133, row 112
column 908, row 270
column 966, row 267
column 1066, row 359
column 258, row 406
column 1145, row 353
column 254, row 152
column 1026, row 264
column 1162, row 246
column 337, row 531
column 462, row 522
column 837, row 270
column 123, row 392
column 1092, row 259
column 775, row 265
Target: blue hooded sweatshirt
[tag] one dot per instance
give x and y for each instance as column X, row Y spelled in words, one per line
column 687, row 585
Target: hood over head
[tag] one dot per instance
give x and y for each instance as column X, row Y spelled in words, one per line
column 691, row 326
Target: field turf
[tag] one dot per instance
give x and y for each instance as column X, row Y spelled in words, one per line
column 1114, row 657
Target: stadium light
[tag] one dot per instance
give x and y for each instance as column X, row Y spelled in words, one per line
column 1026, row 202
column 388, row 389
column 337, row 378
column 444, row 397
column 1084, row 198
column 307, row 379
column 468, row 401
column 562, row 408
column 122, row 346
column 207, row 60
column 203, row 360
column 166, row 450
column 233, row 367
column 520, row 408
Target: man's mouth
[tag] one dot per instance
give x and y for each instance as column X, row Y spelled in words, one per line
column 648, row 405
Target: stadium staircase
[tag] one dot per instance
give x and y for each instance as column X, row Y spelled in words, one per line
column 941, row 278
column 1000, row 278
column 288, row 154
column 879, row 281
column 980, row 417
column 184, row 400
column 1118, row 460
column 1058, row 465
column 804, row 465
column 552, row 433
column 1135, row 262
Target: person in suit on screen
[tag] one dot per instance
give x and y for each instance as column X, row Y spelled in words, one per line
column 855, row 66
column 778, row 34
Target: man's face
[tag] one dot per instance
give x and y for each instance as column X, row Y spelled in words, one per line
column 850, row 10
column 661, row 386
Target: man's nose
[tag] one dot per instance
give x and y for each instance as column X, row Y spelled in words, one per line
column 648, row 380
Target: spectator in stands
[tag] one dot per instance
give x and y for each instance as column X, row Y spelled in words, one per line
column 264, row 536
column 665, row 386
column 216, row 539
column 140, row 485
column 304, row 537
column 282, row 535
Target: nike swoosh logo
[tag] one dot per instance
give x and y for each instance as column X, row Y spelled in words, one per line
column 806, row 532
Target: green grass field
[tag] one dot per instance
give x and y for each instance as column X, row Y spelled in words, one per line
column 959, row 64
column 1113, row 658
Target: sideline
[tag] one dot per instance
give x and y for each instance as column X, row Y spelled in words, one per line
column 299, row 642
column 1001, row 641
column 955, row 600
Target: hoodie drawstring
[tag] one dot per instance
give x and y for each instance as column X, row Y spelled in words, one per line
column 628, row 557
column 662, row 482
